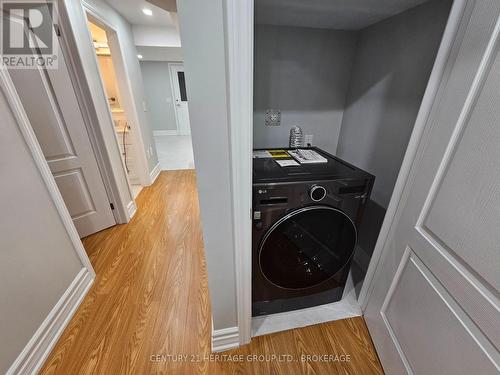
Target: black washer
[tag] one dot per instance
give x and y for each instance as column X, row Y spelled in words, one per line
column 304, row 231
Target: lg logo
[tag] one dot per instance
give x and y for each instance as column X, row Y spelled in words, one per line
column 28, row 36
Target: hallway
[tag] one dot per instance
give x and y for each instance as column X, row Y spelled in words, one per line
column 150, row 298
column 174, row 152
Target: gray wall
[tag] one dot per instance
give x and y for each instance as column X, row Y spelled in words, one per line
column 203, row 45
column 158, row 92
column 37, row 258
column 391, row 68
column 305, row 73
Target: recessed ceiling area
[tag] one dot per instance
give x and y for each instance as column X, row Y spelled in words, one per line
column 329, row 14
column 132, row 11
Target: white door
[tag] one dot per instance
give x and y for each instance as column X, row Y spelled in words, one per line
column 51, row 104
column 180, row 98
column 434, row 307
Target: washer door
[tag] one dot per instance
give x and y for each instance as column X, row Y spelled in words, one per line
column 307, row 247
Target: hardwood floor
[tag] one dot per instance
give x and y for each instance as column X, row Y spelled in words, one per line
column 150, row 301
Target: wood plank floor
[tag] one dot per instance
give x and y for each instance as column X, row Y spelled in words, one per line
column 149, row 305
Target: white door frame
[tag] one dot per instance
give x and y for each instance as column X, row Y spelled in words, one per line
column 239, row 32
column 131, row 111
column 172, row 88
column 239, row 36
column 123, row 212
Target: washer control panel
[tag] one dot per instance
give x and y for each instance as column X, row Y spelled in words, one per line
column 317, row 193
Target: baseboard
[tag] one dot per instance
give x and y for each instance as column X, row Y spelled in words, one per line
column 43, row 341
column 164, row 132
column 131, row 209
column 153, row 175
column 225, row 339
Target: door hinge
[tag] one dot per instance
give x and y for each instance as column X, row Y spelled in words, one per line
column 112, row 206
column 57, row 29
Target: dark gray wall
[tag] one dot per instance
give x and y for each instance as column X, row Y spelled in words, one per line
column 391, row 68
column 305, row 73
column 158, row 92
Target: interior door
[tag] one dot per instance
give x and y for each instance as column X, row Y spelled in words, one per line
column 434, row 307
column 180, row 98
column 52, row 107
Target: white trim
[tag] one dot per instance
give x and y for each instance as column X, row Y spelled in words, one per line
column 131, row 209
column 397, row 202
column 155, row 173
column 225, row 339
column 239, row 35
column 34, row 354
column 31, row 141
column 157, row 133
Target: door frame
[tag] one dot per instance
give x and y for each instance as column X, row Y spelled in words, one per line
column 122, row 210
column 239, row 32
column 172, row 85
column 93, row 15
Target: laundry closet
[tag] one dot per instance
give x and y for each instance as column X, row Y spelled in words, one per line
column 351, row 75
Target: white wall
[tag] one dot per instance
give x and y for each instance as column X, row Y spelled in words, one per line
column 158, row 90
column 156, row 36
column 305, row 73
column 203, row 44
column 38, row 261
column 393, row 62
column 150, row 53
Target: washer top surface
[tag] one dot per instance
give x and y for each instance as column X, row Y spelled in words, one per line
column 267, row 170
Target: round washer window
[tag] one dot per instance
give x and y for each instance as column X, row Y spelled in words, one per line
column 307, row 247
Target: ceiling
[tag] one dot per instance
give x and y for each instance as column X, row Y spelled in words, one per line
column 329, row 14
column 132, row 11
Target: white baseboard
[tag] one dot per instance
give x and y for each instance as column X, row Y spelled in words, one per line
column 225, row 339
column 164, row 132
column 153, row 175
column 43, row 341
column 131, row 209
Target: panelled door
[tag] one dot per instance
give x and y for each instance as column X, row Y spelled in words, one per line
column 52, row 107
column 434, row 307
column 180, row 97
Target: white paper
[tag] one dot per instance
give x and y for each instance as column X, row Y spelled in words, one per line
column 287, row 163
column 261, row 154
